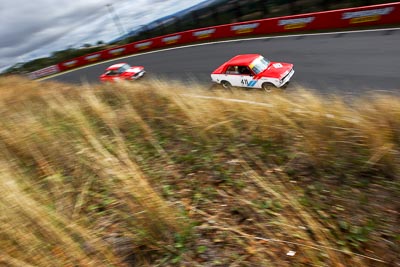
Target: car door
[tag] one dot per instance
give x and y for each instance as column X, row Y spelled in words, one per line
column 113, row 76
column 232, row 75
column 246, row 76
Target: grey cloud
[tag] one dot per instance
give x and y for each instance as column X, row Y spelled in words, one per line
column 40, row 27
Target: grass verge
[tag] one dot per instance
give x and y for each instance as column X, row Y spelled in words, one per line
column 151, row 174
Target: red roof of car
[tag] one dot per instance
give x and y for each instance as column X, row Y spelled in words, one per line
column 245, row 59
column 239, row 60
column 116, row 66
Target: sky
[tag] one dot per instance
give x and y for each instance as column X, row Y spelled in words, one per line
column 32, row 29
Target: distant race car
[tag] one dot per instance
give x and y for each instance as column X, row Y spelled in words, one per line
column 253, row 71
column 122, row 71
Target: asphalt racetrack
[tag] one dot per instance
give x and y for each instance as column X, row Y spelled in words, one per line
column 346, row 63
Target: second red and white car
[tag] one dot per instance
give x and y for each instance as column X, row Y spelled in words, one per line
column 122, row 71
column 253, row 71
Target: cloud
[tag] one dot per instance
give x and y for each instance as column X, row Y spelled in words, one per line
column 40, row 27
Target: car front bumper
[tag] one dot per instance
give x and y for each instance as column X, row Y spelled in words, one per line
column 287, row 78
column 138, row 75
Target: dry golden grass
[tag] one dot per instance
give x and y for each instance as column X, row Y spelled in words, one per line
column 156, row 174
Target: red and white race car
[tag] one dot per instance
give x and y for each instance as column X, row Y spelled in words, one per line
column 122, row 71
column 253, row 71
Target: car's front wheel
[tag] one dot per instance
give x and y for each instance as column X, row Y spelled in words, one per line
column 268, row 87
column 226, row 85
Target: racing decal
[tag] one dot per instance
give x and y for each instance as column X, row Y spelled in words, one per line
column 250, row 83
column 70, row 64
column 145, row 45
column 277, row 65
column 366, row 15
column 290, row 24
column 244, row 28
column 92, row 58
column 171, row 39
column 204, row 33
column 116, row 52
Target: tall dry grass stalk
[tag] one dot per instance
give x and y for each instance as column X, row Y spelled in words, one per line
column 58, row 167
column 103, row 175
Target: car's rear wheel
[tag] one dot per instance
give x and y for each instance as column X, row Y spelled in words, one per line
column 268, row 87
column 226, row 85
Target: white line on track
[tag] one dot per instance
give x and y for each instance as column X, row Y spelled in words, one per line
column 231, row 100
column 217, row 42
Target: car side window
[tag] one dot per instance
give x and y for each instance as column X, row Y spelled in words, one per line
column 122, row 69
column 232, row 70
column 244, row 70
column 111, row 73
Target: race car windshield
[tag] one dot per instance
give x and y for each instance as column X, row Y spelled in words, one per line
column 259, row 65
column 123, row 68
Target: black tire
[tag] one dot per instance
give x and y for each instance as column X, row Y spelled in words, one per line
column 226, row 85
column 268, row 87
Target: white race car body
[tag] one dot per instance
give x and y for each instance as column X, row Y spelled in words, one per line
column 253, row 71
